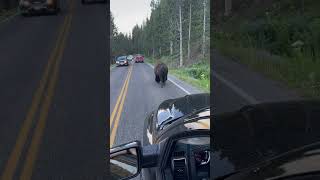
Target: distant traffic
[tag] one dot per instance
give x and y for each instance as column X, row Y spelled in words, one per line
column 124, row 60
column 36, row 7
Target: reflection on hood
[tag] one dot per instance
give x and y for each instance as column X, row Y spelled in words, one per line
column 174, row 109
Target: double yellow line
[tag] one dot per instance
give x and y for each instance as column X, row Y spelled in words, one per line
column 40, row 103
column 118, row 108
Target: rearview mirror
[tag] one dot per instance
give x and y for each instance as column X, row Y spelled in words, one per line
column 125, row 161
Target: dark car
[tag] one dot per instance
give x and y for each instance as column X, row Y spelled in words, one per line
column 176, row 142
column 92, row 1
column 122, row 61
column 28, row 7
column 268, row 141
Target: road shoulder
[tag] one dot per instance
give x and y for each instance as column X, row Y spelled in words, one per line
column 252, row 86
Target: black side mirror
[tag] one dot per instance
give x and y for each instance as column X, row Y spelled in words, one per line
column 125, row 160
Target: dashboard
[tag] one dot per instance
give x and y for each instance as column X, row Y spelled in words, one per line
column 190, row 159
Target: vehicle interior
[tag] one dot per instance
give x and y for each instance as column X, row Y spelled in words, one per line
column 189, row 159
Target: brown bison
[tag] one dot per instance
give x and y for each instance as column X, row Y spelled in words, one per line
column 161, row 73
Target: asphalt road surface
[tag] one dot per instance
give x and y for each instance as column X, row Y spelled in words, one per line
column 53, row 100
column 141, row 96
column 235, row 85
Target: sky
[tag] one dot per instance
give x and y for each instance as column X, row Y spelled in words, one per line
column 128, row 13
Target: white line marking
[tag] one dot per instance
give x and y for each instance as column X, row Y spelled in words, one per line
column 183, row 89
column 236, row 89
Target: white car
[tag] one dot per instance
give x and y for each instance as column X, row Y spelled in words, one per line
column 130, row 58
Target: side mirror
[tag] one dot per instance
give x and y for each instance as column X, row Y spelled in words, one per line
column 125, row 160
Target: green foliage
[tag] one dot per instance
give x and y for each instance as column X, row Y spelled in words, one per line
column 7, row 13
column 197, row 75
column 277, row 32
column 198, row 71
column 154, row 36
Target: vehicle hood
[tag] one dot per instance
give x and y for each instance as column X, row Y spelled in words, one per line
column 174, row 109
column 42, row 1
column 255, row 134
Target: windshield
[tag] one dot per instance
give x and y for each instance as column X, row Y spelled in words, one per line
column 121, row 58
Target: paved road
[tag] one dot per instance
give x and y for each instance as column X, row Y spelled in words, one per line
column 235, row 85
column 142, row 96
column 53, row 100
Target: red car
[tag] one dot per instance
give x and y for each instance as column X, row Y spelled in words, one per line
column 139, row 59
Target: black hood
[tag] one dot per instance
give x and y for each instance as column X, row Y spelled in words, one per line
column 35, row 1
column 257, row 133
column 173, row 109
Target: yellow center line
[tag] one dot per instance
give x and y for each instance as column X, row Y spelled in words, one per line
column 118, row 100
column 40, row 127
column 115, row 127
column 15, row 155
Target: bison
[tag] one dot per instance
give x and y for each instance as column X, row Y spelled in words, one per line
column 161, row 73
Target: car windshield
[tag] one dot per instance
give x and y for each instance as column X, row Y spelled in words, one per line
column 121, row 58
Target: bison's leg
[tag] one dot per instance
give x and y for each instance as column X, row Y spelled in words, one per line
column 162, row 81
column 157, row 79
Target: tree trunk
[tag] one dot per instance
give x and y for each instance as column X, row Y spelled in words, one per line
column 171, row 48
column 227, row 7
column 153, row 53
column 153, row 47
column 181, row 53
column 302, row 6
column 204, row 29
column 189, row 32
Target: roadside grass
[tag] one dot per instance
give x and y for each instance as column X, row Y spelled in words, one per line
column 197, row 75
column 300, row 73
column 150, row 60
column 4, row 14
